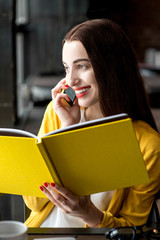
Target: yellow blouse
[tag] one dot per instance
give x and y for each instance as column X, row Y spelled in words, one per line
column 129, row 206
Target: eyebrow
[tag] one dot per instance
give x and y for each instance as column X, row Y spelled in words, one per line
column 79, row 60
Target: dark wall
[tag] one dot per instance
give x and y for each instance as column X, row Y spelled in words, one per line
column 139, row 19
column 7, row 80
column 143, row 25
column 49, row 20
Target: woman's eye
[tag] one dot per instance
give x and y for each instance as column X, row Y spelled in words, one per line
column 66, row 69
column 81, row 66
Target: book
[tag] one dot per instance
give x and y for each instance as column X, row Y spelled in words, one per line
column 86, row 158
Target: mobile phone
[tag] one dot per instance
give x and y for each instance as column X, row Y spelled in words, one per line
column 71, row 94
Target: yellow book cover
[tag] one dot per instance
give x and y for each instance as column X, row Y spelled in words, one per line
column 86, row 158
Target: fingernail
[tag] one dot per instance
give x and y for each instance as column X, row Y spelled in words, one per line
column 45, row 184
column 52, row 184
column 66, row 85
column 41, row 188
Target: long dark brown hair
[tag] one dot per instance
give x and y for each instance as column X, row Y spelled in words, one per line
column 121, row 87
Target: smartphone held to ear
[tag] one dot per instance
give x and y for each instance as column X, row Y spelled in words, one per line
column 71, row 94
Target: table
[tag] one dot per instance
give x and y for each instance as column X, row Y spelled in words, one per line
column 78, row 233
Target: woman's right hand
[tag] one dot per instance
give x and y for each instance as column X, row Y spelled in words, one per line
column 67, row 115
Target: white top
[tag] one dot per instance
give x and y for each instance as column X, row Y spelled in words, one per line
column 57, row 218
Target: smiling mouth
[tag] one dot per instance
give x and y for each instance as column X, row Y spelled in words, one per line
column 80, row 91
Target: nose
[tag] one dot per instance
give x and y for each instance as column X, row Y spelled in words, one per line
column 72, row 77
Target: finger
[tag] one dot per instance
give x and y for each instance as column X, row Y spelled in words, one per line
column 66, row 193
column 51, row 198
column 54, row 196
column 57, row 93
column 58, row 88
column 59, row 101
column 73, row 203
column 76, row 102
column 47, row 193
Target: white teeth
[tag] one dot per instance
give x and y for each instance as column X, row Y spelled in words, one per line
column 81, row 90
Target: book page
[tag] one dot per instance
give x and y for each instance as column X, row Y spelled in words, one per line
column 22, row 133
column 16, row 132
column 89, row 123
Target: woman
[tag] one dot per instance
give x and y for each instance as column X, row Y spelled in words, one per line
column 101, row 67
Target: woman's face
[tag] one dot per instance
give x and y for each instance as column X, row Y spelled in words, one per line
column 79, row 73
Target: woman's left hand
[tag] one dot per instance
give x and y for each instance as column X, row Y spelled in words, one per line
column 81, row 207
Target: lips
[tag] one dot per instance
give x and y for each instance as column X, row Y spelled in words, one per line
column 80, row 92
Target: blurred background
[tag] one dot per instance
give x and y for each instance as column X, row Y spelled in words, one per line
column 31, row 33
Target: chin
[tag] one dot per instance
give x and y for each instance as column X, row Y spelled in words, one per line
column 83, row 105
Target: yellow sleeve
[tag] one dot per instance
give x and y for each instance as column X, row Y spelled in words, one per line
column 132, row 206
column 50, row 123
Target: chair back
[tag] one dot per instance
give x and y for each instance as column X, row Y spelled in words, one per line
column 154, row 216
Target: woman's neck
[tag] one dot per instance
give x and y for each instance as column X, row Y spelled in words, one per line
column 93, row 112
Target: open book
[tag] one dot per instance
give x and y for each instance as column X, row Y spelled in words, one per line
column 86, row 158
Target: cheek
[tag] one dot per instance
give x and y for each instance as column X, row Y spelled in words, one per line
column 96, row 95
column 91, row 79
column 92, row 75
column 95, row 91
column 95, row 85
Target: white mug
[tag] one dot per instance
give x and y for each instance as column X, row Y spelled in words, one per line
column 13, row 230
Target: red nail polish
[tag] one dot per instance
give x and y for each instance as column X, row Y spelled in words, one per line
column 45, row 184
column 66, row 85
column 41, row 188
column 52, row 184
